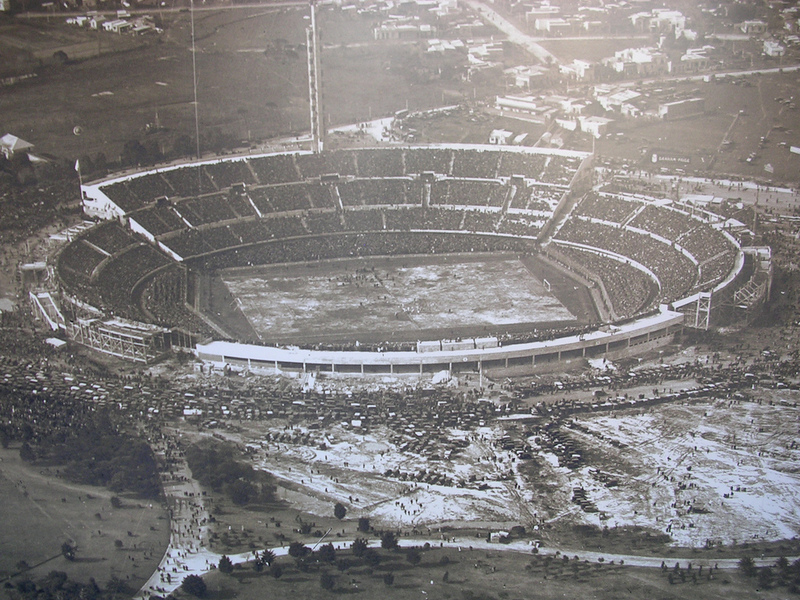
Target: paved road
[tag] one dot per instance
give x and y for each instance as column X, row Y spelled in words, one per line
column 513, row 33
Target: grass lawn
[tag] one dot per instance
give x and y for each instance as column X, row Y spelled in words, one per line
column 41, row 511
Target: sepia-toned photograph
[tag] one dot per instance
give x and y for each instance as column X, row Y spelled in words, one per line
column 431, row 299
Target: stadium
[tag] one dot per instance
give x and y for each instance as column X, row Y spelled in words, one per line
column 397, row 259
column 155, row 273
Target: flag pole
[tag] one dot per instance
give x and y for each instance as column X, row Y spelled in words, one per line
column 80, row 178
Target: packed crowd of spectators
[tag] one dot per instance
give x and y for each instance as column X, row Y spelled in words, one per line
column 708, row 246
column 469, row 192
column 521, row 224
column 226, row 173
column 164, row 297
column 188, row 181
column 366, row 192
column 663, row 221
column 159, row 218
column 280, row 198
column 353, row 245
column 481, row 164
column 629, row 290
column 606, row 207
column 206, row 209
column 537, row 198
column 78, row 260
column 116, row 285
column 676, row 273
column 378, row 164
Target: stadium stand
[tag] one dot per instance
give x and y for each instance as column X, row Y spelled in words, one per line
column 676, row 273
column 290, row 207
column 631, row 291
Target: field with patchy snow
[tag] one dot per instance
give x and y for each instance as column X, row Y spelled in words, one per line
column 717, row 471
column 407, row 294
column 351, row 468
column 722, row 471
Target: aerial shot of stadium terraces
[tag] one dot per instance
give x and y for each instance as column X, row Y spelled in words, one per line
column 418, row 299
column 644, row 268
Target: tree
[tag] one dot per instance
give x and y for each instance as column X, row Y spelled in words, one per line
column 225, row 565
column 194, row 585
column 747, row 566
column 115, row 585
column 359, row 547
column 782, row 564
column 134, row 153
column 68, row 551
column 343, row 564
column 339, row 511
column 327, row 553
column 298, row 550
column 372, row 558
column 54, row 581
column 765, row 576
column 413, row 556
column 26, row 452
column 363, row 524
column 388, row 540
column 327, row 581
column 267, row 557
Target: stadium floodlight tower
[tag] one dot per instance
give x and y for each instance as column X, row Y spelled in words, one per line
column 315, row 82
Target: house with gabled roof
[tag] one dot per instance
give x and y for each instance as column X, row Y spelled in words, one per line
column 11, row 145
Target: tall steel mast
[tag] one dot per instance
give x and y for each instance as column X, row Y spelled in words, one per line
column 315, row 82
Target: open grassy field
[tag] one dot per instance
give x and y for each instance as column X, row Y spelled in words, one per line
column 251, row 82
column 592, row 49
column 41, row 511
column 408, row 294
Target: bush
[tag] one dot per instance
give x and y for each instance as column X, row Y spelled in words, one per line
column 68, row 551
column 194, row 585
column 327, row 553
column 339, row 511
column 372, row 558
column 225, row 565
column 388, row 540
column 747, row 566
column 298, row 550
column 327, row 581
column 413, row 556
column 363, row 524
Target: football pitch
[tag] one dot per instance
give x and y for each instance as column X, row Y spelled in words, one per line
column 390, row 298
